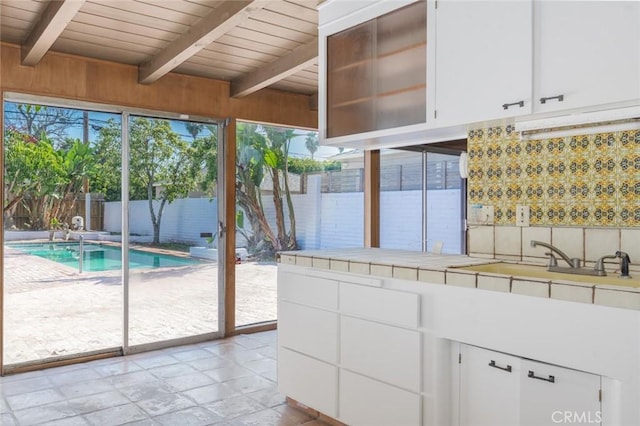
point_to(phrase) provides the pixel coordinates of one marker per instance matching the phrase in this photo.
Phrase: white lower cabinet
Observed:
(500, 389)
(368, 402)
(387, 353)
(556, 395)
(308, 381)
(489, 388)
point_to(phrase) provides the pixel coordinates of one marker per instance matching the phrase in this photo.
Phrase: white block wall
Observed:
(323, 221)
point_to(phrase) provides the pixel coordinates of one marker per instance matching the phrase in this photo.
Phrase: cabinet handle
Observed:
(519, 103)
(507, 368)
(560, 98)
(551, 379)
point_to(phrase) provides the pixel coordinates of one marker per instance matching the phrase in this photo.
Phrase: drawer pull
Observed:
(551, 379)
(507, 368)
(519, 103)
(560, 98)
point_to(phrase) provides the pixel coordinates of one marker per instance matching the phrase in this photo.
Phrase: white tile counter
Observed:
(443, 269)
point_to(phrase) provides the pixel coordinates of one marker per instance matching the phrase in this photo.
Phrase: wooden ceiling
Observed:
(252, 44)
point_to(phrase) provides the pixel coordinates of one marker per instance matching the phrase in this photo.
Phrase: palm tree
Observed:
(311, 142)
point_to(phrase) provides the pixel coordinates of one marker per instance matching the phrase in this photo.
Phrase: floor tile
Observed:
(234, 407)
(43, 413)
(68, 421)
(194, 416)
(269, 397)
(154, 361)
(229, 382)
(249, 384)
(229, 373)
(260, 418)
(191, 355)
(119, 415)
(131, 379)
(117, 368)
(165, 404)
(4, 406)
(74, 376)
(34, 399)
(189, 381)
(209, 363)
(172, 370)
(149, 390)
(75, 390)
(210, 393)
(7, 419)
(24, 386)
(99, 401)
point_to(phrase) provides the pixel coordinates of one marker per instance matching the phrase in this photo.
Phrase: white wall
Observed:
(323, 221)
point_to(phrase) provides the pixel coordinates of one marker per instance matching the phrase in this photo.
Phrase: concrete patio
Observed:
(51, 310)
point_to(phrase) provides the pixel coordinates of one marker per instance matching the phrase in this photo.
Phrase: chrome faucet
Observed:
(574, 262)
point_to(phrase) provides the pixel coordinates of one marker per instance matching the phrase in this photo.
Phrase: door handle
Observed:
(507, 368)
(551, 379)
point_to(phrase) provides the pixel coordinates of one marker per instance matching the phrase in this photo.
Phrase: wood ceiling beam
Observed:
(52, 22)
(221, 20)
(300, 58)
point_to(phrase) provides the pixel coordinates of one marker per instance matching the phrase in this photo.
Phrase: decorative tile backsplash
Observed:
(588, 180)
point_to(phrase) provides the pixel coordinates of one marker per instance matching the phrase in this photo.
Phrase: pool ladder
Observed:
(81, 253)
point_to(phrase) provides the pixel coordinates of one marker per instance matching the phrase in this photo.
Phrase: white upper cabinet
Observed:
(483, 60)
(588, 53)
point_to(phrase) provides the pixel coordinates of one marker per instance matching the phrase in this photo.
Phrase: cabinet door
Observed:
(309, 381)
(552, 395)
(483, 60)
(367, 402)
(586, 52)
(489, 388)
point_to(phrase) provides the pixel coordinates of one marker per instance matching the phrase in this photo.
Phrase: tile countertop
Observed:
(443, 269)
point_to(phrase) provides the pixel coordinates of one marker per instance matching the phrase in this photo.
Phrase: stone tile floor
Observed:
(230, 382)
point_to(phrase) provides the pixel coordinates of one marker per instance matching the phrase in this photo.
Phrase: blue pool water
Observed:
(98, 257)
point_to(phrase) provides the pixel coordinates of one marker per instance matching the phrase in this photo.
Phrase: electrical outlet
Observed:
(487, 215)
(480, 215)
(522, 215)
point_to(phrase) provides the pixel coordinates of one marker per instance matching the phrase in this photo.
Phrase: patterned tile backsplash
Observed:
(585, 181)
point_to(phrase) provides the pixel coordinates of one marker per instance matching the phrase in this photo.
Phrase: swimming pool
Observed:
(98, 257)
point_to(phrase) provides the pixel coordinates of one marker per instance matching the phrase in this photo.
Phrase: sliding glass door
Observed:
(62, 293)
(110, 233)
(172, 256)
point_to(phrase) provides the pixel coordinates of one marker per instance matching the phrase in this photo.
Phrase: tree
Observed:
(311, 142)
(34, 120)
(160, 159)
(34, 172)
(261, 151)
(106, 175)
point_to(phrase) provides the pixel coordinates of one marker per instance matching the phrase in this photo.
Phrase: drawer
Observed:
(367, 402)
(309, 381)
(308, 330)
(308, 290)
(383, 352)
(390, 306)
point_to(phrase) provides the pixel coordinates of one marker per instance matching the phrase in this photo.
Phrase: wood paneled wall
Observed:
(77, 78)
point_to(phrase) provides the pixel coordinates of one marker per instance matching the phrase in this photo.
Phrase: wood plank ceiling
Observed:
(251, 43)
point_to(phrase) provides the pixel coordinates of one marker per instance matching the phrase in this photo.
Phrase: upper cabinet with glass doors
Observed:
(375, 69)
(396, 73)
